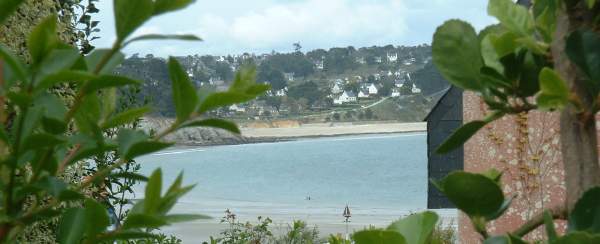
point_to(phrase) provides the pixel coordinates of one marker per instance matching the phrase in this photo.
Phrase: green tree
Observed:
(224, 71)
(308, 90)
(266, 73)
(37, 148)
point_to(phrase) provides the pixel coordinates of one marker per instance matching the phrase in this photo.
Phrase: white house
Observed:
(415, 89)
(361, 60)
(319, 64)
(392, 57)
(363, 93)
(346, 97)
(378, 60)
(289, 76)
(395, 92)
(337, 88)
(409, 61)
(399, 83)
(372, 88)
(281, 92)
(237, 108)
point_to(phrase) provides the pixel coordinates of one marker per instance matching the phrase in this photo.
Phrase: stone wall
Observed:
(526, 148)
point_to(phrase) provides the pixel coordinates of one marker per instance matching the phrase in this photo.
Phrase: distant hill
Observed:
(302, 82)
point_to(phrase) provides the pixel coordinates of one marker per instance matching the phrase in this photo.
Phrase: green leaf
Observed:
(163, 37)
(107, 81)
(72, 226)
(57, 60)
(215, 123)
(98, 213)
(62, 76)
(465, 132)
(135, 221)
(504, 43)
(129, 15)
(489, 54)
(88, 114)
(505, 205)
(185, 97)
(460, 136)
(14, 63)
(533, 45)
(43, 39)
(493, 174)
(127, 138)
(456, 54)
(163, 6)
(585, 216)
(416, 228)
(378, 237)
(178, 218)
(125, 117)
(176, 185)
(578, 238)
(244, 79)
(583, 49)
(153, 190)
(127, 235)
(52, 185)
(171, 198)
(109, 102)
(474, 194)
(505, 239)
(223, 99)
(512, 16)
(590, 3)
(549, 226)
(545, 13)
(490, 29)
(129, 176)
(145, 147)
(41, 140)
(554, 92)
(93, 59)
(54, 126)
(53, 106)
(7, 7)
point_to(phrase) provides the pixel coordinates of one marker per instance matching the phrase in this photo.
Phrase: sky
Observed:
(263, 26)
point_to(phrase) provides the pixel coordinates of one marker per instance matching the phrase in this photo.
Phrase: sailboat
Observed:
(347, 214)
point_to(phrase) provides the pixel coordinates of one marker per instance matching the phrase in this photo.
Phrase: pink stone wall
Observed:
(526, 148)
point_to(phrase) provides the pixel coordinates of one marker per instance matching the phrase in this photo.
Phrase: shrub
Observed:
(38, 146)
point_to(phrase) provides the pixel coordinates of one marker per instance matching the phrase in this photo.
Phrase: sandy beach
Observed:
(333, 129)
(325, 220)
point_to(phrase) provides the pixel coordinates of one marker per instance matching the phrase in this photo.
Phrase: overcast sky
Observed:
(260, 26)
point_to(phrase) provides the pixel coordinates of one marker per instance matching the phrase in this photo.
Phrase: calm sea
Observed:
(376, 175)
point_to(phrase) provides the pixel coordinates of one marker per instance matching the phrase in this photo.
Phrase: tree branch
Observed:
(558, 212)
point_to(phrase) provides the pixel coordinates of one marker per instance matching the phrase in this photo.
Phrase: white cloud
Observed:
(313, 23)
(259, 26)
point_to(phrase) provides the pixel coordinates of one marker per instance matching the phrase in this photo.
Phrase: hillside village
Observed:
(343, 84)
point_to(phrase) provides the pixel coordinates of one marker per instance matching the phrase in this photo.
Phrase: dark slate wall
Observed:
(443, 119)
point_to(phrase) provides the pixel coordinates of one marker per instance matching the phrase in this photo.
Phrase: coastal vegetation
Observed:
(44, 138)
(304, 85)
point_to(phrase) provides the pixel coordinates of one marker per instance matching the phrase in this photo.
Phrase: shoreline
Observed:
(311, 131)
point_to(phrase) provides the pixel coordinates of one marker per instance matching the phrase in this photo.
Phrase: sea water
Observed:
(380, 177)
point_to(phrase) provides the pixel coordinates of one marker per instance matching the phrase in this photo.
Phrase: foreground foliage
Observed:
(542, 57)
(42, 137)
